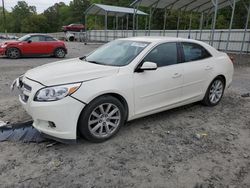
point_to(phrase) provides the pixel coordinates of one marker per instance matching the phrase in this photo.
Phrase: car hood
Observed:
(69, 71)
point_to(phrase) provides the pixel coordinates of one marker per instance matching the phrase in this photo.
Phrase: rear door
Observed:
(198, 68)
(159, 88)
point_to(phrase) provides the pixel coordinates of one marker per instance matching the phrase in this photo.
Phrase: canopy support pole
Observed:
(137, 24)
(146, 23)
(215, 3)
(134, 17)
(117, 25)
(165, 22)
(201, 24)
(246, 27)
(232, 4)
(122, 27)
(190, 25)
(86, 28)
(152, 9)
(178, 24)
(127, 24)
(106, 26)
(149, 21)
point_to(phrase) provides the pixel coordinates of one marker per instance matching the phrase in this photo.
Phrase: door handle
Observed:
(176, 75)
(208, 68)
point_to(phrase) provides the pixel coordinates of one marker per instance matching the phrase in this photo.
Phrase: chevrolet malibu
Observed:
(125, 79)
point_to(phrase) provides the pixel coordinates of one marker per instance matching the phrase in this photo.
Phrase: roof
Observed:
(155, 39)
(187, 5)
(99, 9)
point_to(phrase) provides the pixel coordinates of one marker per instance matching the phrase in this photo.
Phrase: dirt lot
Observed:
(157, 151)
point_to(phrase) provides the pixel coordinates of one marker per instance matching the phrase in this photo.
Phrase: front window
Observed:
(163, 55)
(117, 53)
(24, 38)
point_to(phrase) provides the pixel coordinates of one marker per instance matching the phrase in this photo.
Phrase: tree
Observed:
(77, 9)
(20, 12)
(35, 24)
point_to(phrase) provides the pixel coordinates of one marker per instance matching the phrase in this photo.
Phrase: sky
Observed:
(41, 5)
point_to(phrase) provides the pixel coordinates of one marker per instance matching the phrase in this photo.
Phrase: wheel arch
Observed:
(59, 47)
(113, 94)
(15, 48)
(223, 78)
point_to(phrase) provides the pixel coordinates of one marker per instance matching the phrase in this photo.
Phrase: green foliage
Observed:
(23, 18)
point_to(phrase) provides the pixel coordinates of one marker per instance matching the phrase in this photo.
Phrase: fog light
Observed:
(52, 125)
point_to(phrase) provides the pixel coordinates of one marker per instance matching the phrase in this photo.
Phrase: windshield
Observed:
(117, 53)
(24, 38)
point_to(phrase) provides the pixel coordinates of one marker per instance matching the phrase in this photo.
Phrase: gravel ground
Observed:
(156, 151)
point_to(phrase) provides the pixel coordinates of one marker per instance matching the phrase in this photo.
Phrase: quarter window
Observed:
(49, 39)
(163, 55)
(193, 52)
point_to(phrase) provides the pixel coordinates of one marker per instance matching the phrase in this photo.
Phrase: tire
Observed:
(71, 39)
(101, 119)
(13, 53)
(60, 53)
(214, 92)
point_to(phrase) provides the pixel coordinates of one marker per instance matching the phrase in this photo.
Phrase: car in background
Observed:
(123, 80)
(33, 45)
(74, 27)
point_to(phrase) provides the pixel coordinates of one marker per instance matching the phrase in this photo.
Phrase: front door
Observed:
(156, 89)
(33, 46)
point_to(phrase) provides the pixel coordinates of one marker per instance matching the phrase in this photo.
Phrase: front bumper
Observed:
(2, 51)
(56, 119)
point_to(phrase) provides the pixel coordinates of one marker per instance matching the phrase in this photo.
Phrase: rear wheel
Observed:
(60, 53)
(102, 119)
(214, 92)
(13, 53)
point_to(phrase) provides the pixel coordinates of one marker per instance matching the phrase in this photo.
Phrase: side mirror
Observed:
(147, 66)
(29, 41)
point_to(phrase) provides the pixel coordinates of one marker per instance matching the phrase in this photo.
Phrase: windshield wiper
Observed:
(95, 62)
(83, 58)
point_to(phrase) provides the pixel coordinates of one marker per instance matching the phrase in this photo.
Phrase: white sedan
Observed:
(125, 79)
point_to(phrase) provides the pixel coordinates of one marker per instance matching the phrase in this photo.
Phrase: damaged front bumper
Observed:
(57, 119)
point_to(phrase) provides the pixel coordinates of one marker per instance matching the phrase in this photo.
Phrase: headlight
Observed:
(56, 92)
(3, 46)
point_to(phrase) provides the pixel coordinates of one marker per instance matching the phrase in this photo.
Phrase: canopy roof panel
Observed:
(186, 5)
(99, 9)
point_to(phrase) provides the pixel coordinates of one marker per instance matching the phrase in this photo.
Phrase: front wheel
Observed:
(214, 92)
(102, 119)
(13, 53)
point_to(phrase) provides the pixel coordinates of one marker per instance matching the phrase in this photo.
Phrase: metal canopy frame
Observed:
(115, 11)
(204, 7)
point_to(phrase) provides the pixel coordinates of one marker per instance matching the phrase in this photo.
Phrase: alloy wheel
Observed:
(104, 120)
(216, 91)
(13, 53)
(60, 53)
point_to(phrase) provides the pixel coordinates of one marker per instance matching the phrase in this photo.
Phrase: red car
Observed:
(74, 27)
(33, 45)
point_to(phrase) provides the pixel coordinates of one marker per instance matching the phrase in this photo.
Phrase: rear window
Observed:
(49, 39)
(194, 52)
